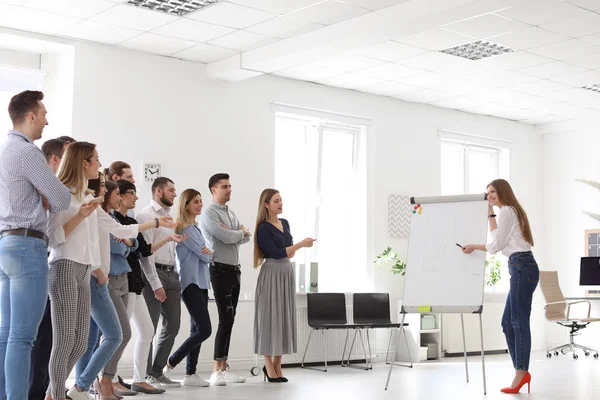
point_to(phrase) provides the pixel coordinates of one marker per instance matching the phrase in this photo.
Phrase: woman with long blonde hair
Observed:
(275, 303)
(193, 258)
(511, 235)
(75, 253)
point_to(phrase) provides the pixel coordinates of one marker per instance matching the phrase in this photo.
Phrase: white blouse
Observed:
(507, 238)
(83, 244)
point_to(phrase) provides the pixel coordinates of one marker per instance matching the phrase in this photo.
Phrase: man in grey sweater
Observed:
(224, 234)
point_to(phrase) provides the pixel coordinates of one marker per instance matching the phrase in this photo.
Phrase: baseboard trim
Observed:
(475, 353)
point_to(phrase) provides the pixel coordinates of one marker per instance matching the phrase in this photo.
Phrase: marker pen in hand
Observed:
(459, 245)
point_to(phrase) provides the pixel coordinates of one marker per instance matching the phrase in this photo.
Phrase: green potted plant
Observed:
(398, 266)
(492, 270)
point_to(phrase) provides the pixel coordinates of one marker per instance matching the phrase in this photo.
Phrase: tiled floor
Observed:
(557, 378)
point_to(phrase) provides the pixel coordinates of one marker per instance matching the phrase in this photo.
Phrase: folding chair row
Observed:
(327, 311)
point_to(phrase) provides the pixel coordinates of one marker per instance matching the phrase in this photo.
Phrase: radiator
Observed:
(334, 339)
(493, 337)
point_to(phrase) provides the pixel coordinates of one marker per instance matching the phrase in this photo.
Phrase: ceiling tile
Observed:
(501, 95)
(530, 101)
(425, 96)
(158, 44)
(329, 12)
(436, 61)
(593, 39)
(389, 88)
(390, 51)
(98, 32)
(581, 25)
(592, 5)
(350, 80)
(582, 79)
(459, 86)
(542, 11)
(515, 60)
(426, 80)
(435, 39)
(283, 27)
(309, 72)
(34, 20)
(276, 6)
(552, 69)
(389, 71)
(375, 4)
(204, 53)
(134, 17)
(506, 78)
(540, 87)
(456, 103)
(243, 40)
(588, 61)
(527, 38)
(231, 15)
(348, 62)
(71, 8)
(192, 30)
(485, 26)
(566, 49)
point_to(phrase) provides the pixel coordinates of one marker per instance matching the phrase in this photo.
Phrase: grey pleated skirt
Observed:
(275, 331)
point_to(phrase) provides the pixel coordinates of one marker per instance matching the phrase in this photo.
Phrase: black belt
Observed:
(227, 267)
(25, 232)
(165, 267)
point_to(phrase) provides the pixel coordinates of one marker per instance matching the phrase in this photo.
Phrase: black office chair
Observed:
(326, 311)
(372, 311)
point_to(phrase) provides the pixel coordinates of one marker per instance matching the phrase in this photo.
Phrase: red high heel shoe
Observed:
(526, 380)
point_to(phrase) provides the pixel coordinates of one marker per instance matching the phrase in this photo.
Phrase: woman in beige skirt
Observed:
(275, 303)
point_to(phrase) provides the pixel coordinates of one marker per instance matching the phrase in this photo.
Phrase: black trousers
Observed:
(225, 281)
(39, 379)
(196, 301)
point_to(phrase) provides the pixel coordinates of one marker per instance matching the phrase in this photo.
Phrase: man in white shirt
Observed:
(162, 293)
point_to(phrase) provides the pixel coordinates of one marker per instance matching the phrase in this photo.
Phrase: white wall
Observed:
(570, 152)
(143, 108)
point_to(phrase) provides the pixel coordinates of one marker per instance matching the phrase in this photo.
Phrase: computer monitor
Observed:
(589, 271)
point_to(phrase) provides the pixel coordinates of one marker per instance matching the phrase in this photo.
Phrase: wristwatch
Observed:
(492, 216)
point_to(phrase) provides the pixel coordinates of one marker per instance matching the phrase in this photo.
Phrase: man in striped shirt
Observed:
(28, 189)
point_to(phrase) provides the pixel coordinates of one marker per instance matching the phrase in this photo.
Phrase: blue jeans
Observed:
(104, 318)
(23, 295)
(524, 277)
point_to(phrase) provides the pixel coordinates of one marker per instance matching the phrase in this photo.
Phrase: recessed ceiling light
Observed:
(176, 7)
(477, 50)
(593, 88)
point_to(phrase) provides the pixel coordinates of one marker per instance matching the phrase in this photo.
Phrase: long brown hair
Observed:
(71, 171)
(507, 197)
(110, 188)
(184, 218)
(261, 216)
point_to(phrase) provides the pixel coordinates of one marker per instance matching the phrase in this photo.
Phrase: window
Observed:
(467, 169)
(12, 81)
(320, 172)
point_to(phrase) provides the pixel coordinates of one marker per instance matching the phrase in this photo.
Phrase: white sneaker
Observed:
(194, 380)
(150, 380)
(217, 379)
(167, 371)
(230, 377)
(75, 394)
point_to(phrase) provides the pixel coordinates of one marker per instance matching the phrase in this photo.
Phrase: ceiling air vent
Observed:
(593, 88)
(477, 50)
(175, 7)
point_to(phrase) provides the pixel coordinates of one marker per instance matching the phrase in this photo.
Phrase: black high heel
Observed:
(266, 376)
(283, 379)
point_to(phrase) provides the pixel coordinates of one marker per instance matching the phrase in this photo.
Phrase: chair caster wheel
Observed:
(556, 353)
(575, 356)
(254, 371)
(587, 353)
(549, 355)
(596, 356)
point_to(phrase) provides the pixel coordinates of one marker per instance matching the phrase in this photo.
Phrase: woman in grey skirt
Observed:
(275, 303)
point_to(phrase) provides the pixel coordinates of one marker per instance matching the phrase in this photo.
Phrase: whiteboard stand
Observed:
(439, 277)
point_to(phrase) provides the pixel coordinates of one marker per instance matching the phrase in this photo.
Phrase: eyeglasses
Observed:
(130, 192)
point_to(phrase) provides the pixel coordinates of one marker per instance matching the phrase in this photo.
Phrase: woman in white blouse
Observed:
(512, 236)
(74, 253)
